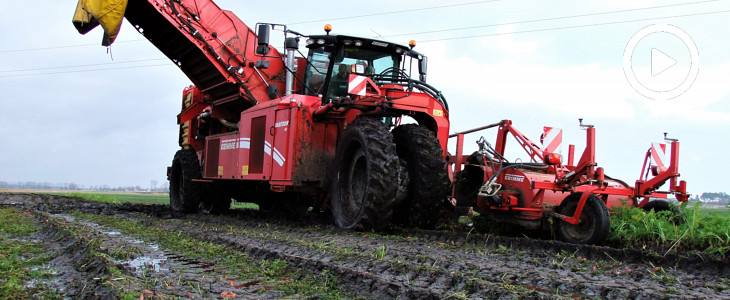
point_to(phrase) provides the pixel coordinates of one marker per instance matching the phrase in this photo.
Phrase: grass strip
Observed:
(694, 229)
(21, 259)
(272, 273)
(137, 198)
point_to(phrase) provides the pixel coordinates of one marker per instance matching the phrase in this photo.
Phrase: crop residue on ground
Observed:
(135, 250)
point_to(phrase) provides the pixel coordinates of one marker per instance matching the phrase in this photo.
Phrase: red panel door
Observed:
(281, 164)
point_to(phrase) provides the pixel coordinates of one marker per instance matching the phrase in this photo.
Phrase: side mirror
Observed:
(263, 44)
(422, 68)
(273, 91)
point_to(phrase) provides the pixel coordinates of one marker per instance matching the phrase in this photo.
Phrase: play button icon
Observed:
(660, 62)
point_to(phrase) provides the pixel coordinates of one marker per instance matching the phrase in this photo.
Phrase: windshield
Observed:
(360, 61)
(343, 61)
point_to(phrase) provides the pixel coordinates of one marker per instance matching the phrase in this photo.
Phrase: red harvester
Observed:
(324, 130)
(290, 132)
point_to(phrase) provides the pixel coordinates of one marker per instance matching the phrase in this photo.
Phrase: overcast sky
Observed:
(74, 111)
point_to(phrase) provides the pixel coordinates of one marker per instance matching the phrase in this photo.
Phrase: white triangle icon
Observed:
(660, 62)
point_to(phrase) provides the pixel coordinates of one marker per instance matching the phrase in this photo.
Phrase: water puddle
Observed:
(142, 263)
(148, 258)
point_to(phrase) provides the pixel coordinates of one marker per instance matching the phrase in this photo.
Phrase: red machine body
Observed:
(214, 48)
(291, 132)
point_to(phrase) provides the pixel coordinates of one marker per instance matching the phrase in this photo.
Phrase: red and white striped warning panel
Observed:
(357, 85)
(659, 155)
(551, 139)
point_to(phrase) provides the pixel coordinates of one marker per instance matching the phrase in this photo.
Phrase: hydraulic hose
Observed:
(230, 125)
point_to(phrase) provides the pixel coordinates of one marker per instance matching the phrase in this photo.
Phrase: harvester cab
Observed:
(345, 69)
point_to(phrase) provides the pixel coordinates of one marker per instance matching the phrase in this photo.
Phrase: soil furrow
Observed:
(562, 273)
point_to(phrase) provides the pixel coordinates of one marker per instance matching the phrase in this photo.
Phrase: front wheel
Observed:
(594, 221)
(185, 195)
(364, 184)
(428, 181)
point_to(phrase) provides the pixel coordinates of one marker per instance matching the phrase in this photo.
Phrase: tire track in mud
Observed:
(151, 271)
(437, 264)
(75, 263)
(451, 269)
(148, 272)
(358, 265)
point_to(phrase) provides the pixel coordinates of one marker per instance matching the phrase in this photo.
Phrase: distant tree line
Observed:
(32, 185)
(716, 198)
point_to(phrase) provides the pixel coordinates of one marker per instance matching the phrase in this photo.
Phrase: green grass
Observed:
(702, 229)
(138, 198)
(21, 260)
(720, 213)
(116, 198)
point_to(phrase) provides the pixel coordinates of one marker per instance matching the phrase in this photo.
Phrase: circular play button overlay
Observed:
(661, 62)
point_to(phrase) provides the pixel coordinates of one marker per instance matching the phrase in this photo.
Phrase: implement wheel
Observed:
(676, 215)
(185, 194)
(365, 180)
(428, 183)
(594, 221)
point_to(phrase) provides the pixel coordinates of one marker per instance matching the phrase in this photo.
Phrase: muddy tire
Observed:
(214, 201)
(364, 183)
(185, 195)
(594, 221)
(428, 183)
(677, 217)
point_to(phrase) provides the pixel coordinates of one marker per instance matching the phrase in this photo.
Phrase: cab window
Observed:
(316, 72)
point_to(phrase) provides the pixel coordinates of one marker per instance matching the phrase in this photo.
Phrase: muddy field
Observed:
(144, 251)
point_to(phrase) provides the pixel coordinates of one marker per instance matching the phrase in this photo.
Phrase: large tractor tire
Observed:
(185, 195)
(594, 221)
(364, 183)
(428, 183)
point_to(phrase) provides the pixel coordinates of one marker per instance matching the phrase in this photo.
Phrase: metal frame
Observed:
(583, 177)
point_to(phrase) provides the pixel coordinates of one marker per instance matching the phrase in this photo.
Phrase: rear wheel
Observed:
(215, 201)
(365, 180)
(288, 203)
(294, 204)
(594, 221)
(185, 194)
(428, 181)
